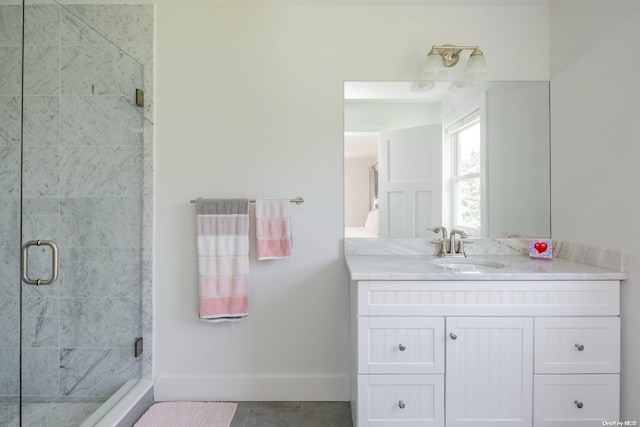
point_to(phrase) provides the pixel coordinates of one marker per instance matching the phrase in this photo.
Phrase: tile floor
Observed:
(248, 414)
(46, 414)
(292, 414)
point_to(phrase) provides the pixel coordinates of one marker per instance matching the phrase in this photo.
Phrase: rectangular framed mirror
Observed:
(468, 155)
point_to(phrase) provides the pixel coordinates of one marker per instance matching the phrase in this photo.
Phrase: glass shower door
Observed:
(81, 217)
(10, 160)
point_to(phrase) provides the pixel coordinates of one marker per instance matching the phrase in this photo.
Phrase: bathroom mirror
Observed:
(466, 155)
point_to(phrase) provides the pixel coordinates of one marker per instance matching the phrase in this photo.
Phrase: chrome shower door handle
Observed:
(54, 262)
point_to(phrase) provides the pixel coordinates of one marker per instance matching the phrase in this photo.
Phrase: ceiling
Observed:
(479, 3)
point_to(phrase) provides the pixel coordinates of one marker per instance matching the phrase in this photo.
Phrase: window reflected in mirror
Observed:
(463, 140)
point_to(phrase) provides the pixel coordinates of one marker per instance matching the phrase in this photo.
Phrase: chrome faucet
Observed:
(449, 247)
(459, 249)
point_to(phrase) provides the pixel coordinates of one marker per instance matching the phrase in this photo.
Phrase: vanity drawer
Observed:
(401, 400)
(575, 400)
(571, 345)
(401, 345)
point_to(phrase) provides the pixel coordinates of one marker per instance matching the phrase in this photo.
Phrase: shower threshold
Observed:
(124, 407)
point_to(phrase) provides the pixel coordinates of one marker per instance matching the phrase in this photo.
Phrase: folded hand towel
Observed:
(223, 259)
(273, 228)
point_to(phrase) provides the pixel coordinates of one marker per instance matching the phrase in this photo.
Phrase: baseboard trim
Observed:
(252, 388)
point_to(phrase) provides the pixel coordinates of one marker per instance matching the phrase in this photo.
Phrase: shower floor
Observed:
(50, 414)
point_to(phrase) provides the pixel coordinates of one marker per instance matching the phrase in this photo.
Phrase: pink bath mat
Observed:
(188, 414)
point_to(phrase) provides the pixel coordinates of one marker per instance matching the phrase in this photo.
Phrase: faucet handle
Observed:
(461, 243)
(438, 229)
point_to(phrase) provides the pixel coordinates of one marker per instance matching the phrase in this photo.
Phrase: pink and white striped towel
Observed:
(223, 259)
(273, 228)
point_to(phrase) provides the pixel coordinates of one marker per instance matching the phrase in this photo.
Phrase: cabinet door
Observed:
(489, 371)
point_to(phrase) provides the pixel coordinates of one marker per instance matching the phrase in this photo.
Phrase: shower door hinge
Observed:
(139, 97)
(137, 350)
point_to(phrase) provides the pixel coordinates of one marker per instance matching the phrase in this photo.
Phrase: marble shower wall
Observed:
(87, 185)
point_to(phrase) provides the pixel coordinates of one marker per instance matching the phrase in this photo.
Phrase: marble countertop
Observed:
(516, 267)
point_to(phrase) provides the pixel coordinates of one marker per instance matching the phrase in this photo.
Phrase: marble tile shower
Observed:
(75, 167)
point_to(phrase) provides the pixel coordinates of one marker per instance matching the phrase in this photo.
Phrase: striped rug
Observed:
(188, 414)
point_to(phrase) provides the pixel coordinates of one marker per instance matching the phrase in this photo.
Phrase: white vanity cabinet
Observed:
(485, 353)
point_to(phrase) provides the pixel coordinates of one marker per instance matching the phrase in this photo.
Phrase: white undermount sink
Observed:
(466, 265)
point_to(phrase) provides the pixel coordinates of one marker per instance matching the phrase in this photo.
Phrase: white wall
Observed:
(249, 104)
(595, 150)
(518, 158)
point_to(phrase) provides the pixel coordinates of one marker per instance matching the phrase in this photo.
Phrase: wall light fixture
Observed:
(446, 56)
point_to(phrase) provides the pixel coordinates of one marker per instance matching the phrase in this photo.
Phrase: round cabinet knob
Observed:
(402, 347)
(578, 404)
(580, 347)
(401, 404)
(453, 336)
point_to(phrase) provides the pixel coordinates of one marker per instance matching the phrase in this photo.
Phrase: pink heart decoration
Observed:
(540, 247)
